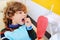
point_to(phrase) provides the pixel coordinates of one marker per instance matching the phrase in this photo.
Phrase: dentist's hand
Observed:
(28, 22)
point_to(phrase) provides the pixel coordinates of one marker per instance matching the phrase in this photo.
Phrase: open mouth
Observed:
(23, 20)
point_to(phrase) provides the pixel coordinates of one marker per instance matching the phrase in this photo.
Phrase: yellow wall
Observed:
(47, 4)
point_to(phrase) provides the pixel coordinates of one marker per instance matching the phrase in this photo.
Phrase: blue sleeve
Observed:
(29, 28)
(8, 35)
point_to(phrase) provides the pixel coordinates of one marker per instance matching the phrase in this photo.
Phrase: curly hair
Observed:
(10, 10)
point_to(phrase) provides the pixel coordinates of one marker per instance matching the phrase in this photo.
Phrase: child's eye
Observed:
(24, 13)
(20, 13)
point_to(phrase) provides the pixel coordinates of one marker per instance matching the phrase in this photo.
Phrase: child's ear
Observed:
(11, 18)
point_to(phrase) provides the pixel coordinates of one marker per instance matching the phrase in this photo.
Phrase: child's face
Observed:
(18, 17)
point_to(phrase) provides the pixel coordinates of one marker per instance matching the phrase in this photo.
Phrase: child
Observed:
(18, 26)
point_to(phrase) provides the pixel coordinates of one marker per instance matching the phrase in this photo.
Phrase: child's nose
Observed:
(23, 15)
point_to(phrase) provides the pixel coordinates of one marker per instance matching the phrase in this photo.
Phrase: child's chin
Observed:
(21, 23)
